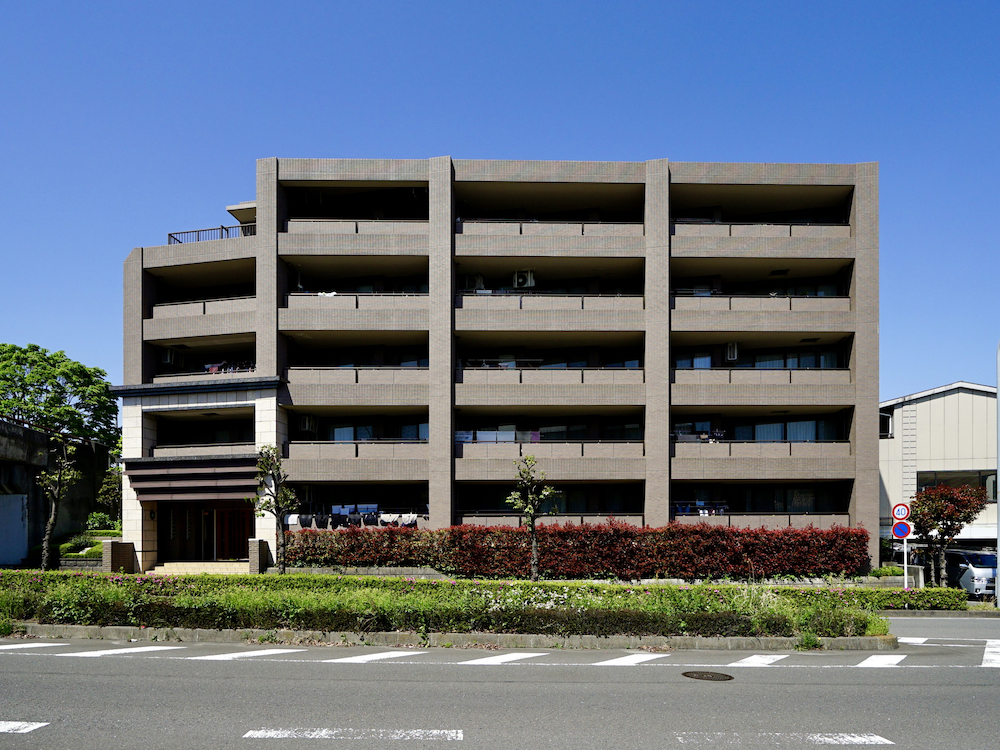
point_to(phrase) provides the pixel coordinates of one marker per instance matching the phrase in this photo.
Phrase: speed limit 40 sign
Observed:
(900, 512)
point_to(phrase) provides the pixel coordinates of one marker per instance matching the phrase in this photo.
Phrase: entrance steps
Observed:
(241, 567)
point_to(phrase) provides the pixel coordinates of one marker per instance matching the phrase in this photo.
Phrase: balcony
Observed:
(204, 307)
(751, 449)
(721, 386)
(215, 373)
(390, 386)
(202, 451)
(561, 461)
(541, 387)
(215, 233)
(515, 311)
(735, 460)
(212, 317)
(747, 229)
(549, 228)
(350, 226)
(401, 311)
(759, 303)
(368, 461)
(755, 376)
(685, 514)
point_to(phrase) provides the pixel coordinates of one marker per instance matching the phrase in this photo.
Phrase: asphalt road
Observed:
(938, 691)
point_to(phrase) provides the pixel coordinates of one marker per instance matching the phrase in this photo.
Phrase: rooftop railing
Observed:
(215, 233)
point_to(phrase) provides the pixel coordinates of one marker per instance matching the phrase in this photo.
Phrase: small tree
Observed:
(110, 494)
(273, 496)
(531, 494)
(939, 513)
(59, 477)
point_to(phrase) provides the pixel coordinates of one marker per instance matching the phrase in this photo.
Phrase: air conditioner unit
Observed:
(524, 279)
(168, 357)
(307, 423)
(474, 282)
(732, 352)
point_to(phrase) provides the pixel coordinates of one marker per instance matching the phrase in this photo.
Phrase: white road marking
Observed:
(758, 660)
(355, 734)
(883, 660)
(245, 654)
(991, 656)
(365, 658)
(777, 739)
(914, 641)
(122, 651)
(21, 727)
(630, 660)
(12, 646)
(501, 658)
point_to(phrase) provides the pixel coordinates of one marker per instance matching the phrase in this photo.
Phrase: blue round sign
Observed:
(901, 530)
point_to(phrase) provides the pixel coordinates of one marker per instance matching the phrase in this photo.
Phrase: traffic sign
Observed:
(900, 512)
(901, 530)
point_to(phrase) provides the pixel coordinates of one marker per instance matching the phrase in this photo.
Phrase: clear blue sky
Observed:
(122, 122)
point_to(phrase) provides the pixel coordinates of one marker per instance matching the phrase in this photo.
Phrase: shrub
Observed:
(611, 550)
(99, 520)
(886, 570)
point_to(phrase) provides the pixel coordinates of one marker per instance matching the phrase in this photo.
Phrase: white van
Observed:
(973, 570)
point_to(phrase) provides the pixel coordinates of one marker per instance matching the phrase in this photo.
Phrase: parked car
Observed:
(973, 570)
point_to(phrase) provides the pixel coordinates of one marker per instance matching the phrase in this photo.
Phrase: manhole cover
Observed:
(710, 676)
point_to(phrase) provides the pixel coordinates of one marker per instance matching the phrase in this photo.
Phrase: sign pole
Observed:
(906, 564)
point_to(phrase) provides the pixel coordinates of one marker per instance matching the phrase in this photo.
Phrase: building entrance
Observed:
(202, 532)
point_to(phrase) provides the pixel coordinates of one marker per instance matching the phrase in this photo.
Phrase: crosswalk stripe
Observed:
(245, 654)
(630, 660)
(12, 646)
(883, 660)
(991, 656)
(912, 641)
(21, 727)
(501, 658)
(758, 660)
(122, 651)
(365, 658)
(779, 739)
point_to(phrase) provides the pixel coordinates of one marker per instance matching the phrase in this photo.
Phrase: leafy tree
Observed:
(59, 477)
(110, 494)
(528, 499)
(273, 496)
(64, 398)
(57, 394)
(939, 513)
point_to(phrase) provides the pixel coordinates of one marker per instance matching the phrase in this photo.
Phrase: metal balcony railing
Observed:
(215, 233)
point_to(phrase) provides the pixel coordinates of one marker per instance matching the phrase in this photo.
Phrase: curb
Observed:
(449, 640)
(963, 613)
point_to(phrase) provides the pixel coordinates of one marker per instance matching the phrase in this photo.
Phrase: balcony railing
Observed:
(760, 376)
(215, 233)
(204, 307)
(495, 375)
(550, 228)
(549, 449)
(685, 300)
(691, 446)
(522, 299)
(696, 228)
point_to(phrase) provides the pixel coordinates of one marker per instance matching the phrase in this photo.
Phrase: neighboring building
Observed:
(946, 435)
(24, 508)
(672, 340)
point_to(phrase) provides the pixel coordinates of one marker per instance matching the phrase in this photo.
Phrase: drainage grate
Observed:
(710, 676)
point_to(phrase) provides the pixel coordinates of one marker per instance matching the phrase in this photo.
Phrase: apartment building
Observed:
(673, 341)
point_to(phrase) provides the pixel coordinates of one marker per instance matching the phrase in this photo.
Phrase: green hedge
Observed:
(343, 603)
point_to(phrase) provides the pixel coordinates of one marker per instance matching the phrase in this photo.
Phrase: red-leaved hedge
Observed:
(609, 550)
